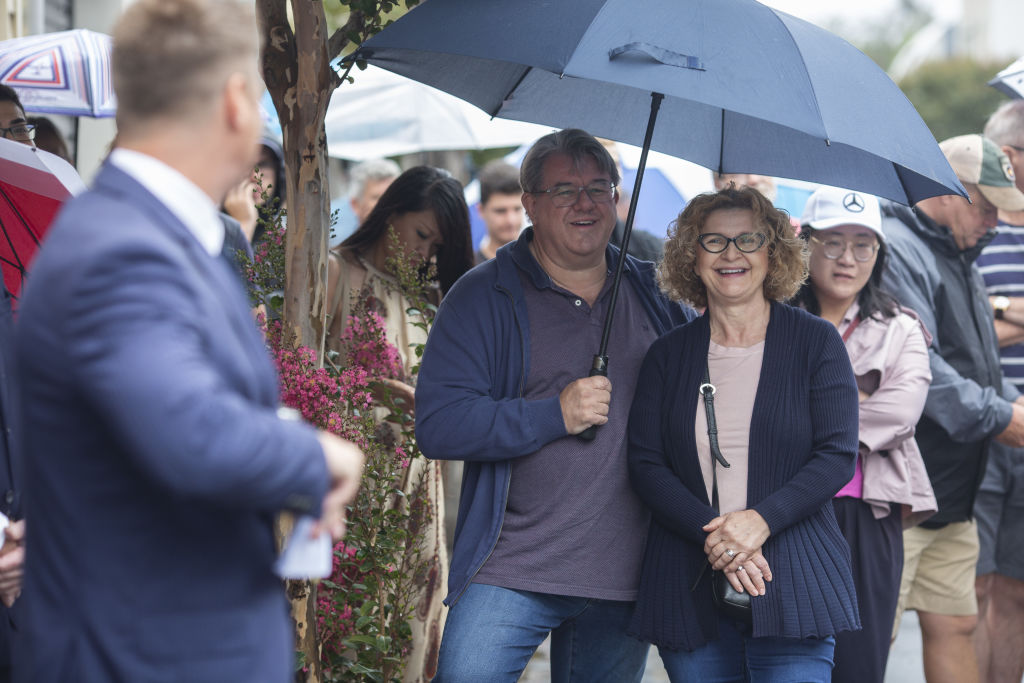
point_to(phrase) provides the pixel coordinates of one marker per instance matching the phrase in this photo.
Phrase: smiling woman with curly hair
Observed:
(747, 504)
(787, 253)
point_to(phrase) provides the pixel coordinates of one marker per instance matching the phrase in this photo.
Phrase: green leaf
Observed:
(365, 640)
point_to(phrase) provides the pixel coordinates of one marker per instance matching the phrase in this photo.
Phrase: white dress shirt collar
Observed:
(181, 196)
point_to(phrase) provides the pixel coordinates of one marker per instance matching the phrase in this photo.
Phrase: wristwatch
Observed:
(999, 306)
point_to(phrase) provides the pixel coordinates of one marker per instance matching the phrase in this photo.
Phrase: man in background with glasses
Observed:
(932, 271)
(14, 124)
(550, 535)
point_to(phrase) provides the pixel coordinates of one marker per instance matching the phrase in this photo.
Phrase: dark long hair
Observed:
(269, 211)
(418, 189)
(873, 300)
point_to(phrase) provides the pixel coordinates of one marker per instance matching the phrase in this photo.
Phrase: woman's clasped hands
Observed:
(734, 546)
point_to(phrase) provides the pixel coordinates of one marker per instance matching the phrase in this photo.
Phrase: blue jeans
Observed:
(738, 657)
(492, 632)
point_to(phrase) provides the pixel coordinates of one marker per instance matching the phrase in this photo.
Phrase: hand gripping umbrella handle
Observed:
(599, 368)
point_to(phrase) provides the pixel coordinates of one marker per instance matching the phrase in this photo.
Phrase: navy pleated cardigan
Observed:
(803, 445)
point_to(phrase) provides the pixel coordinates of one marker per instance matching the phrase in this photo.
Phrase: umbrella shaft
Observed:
(656, 99)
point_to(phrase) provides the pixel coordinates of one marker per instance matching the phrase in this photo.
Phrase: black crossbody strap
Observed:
(707, 390)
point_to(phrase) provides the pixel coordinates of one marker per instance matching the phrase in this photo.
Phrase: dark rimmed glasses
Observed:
(834, 247)
(748, 242)
(20, 131)
(563, 195)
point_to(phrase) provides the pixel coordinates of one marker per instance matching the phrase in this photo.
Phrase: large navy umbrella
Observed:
(734, 85)
(748, 89)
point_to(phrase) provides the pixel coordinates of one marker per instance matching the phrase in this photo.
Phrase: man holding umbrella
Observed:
(550, 535)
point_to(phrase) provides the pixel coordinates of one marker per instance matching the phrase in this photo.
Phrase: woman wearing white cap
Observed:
(889, 354)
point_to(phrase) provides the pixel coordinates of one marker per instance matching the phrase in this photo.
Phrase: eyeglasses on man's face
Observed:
(19, 131)
(563, 195)
(834, 247)
(748, 242)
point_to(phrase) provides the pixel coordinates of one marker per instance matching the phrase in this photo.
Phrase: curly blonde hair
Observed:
(787, 253)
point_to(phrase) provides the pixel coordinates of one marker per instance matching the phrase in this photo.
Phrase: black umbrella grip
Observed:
(599, 368)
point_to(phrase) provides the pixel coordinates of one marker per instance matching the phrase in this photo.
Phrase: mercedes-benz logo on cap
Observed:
(853, 203)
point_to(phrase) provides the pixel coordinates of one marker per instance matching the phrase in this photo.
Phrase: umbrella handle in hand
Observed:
(599, 368)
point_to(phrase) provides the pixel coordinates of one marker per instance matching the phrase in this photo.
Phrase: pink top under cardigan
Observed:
(734, 371)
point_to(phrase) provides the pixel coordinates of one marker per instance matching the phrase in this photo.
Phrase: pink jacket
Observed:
(890, 360)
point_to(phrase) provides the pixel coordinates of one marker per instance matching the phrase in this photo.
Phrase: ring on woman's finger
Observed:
(730, 552)
(740, 568)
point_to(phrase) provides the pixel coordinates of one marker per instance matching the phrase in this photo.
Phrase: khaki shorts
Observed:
(938, 571)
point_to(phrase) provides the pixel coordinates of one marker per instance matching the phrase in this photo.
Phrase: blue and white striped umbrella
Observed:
(60, 73)
(1011, 80)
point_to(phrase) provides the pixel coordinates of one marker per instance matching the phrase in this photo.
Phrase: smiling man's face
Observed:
(574, 235)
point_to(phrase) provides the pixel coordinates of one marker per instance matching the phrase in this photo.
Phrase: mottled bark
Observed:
(296, 69)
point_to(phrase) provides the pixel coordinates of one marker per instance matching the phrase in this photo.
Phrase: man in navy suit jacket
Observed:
(12, 556)
(155, 457)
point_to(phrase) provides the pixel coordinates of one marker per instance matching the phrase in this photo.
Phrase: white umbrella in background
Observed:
(1011, 80)
(382, 114)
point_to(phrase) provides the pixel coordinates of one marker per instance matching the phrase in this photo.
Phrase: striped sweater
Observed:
(803, 445)
(1001, 264)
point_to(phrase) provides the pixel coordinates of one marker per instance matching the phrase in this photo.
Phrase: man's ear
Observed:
(528, 199)
(238, 106)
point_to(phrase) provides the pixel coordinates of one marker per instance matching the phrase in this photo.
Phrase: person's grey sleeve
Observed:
(1010, 391)
(965, 409)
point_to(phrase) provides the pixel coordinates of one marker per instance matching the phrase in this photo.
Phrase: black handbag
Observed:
(728, 600)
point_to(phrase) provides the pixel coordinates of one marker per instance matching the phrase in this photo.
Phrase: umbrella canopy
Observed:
(381, 114)
(1011, 80)
(60, 73)
(33, 185)
(748, 89)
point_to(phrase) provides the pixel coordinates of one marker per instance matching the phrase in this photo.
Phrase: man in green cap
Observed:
(999, 507)
(931, 270)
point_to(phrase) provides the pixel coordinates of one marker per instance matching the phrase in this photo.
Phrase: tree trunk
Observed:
(296, 68)
(297, 73)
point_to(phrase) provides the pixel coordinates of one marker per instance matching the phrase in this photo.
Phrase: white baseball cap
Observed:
(830, 207)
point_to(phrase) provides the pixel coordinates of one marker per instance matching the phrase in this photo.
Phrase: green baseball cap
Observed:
(979, 161)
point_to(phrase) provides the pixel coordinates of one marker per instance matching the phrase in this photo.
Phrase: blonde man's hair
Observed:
(171, 58)
(787, 253)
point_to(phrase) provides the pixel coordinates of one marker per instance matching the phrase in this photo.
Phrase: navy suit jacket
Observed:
(155, 459)
(10, 464)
